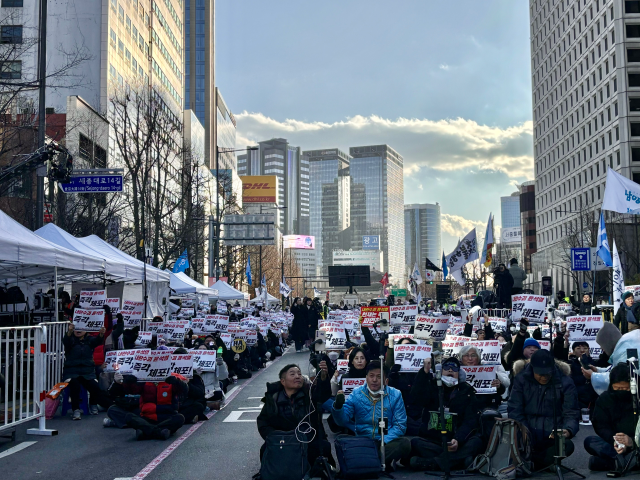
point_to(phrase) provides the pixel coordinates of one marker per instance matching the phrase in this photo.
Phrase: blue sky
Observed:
(446, 84)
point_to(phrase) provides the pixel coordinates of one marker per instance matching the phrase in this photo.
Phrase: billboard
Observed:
(304, 242)
(512, 235)
(259, 189)
(371, 242)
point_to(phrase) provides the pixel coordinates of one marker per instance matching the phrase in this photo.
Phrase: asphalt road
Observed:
(224, 447)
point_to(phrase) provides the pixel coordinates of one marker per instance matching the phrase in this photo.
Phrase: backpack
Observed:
(508, 451)
(358, 457)
(284, 458)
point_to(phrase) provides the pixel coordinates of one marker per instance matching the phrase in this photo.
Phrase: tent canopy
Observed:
(226, 291)
(260, 298)
(183, 284)
(26, 256)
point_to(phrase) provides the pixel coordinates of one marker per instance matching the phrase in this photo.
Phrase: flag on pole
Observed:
(604, 252)
(429, 265)
(316, 293)
(465, 252)
(182, 263)
(263, 291)
(618, 280)
(284, 288)
(445, 269)
(419, 299)
(621, 194)
(488, 244)
(415, 275)
(428, 276)
(385, 279)
(247, 271)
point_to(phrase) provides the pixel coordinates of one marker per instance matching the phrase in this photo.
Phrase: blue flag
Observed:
(604, 252)
(182, 263)
(445, 268)
(247, 272)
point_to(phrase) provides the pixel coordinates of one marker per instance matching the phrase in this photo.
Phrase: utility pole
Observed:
(42, 125)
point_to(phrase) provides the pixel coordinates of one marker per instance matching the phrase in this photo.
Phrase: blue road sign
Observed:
(93, 184)
(585, 285)
(581, 259)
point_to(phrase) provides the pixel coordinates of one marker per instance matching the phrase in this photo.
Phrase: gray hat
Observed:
(608, 337)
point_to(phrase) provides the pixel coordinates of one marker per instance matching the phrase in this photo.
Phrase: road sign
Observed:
(371, 242)
(585, 285)
(93, 184)
(581, 259)
(399, 292)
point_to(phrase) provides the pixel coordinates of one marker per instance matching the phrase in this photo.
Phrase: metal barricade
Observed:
(498, 312)
(54, 356)
(22, 385)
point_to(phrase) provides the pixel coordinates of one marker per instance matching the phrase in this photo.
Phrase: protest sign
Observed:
(222, 306)
(411, 357)
(187, 312)
(144, 339)
(403, 314)
(227, 339)
(531, 307)
(131, 318)
(122, 360)
(343, 366)
(236, 310)
(489, 351)
(480, 378)
(371, 315)
(204, 360)
(132, 305)
(452, 345)
(335, 338)
(431, 327)
(151, 366)
(456, 329)
(187, 302)
(595, 350)
(114, 303)
(545, 344)
(336, 316)
(88, 320)
(172, 331)
(583, 328)
(498, 324)
(92, 298)
(182, 364)
(349, 384)
(215, 323)
(197, 325)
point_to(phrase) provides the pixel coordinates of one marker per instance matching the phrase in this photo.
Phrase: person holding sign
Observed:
(472, 357)
(80, 369)
(532, 404)
(628, 313)
(459, 400)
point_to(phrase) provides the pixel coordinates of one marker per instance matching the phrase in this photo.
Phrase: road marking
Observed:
(235, 415)
(167, 451)
(254, 398)
(229, 392)
(258, 408)
(123, 478)
(16, 449)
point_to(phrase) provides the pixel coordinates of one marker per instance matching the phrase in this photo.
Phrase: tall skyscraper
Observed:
(329, 207)
(528, 222)
(277, 157)
(199, 67)
(510, 210)
(422, 234)
(585, 63)
(377, 203)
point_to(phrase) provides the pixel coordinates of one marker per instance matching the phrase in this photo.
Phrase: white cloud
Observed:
(458, 226)
(444, 66)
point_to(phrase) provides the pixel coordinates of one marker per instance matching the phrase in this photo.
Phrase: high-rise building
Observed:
(528, 222)
(377, 203)
(200, 94)
(510, 210)
(329, 208)
(422, 234)
(585, 64)
(277, 157)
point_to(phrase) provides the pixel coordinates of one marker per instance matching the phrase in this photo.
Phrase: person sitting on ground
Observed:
(586, 394)
(614, 423)
(471, 356)
(518, 350)
(532, 404)
(289, 401)
(628, 313)
(79, 369)
(362, 409)
(459, 399)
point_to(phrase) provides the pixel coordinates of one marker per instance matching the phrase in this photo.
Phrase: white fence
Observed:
(498, 312)
(23, 383)
(54, 356)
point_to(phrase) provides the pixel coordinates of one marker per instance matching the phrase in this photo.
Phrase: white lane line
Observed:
(259, 407)
(254, 398)
(16, 449)
(229, 392)
(123, 478)
(235, 415)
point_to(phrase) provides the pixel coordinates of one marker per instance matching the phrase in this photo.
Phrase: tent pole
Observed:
(55, 293)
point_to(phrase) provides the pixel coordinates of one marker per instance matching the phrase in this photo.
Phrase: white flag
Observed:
(465, 252)
(458, 275)
(618, 279)
(416, 274)
(621, 194)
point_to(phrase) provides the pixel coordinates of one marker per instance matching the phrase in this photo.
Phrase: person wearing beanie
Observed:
(530, 346)
(628, 313)
(612, 418)
(532, 404)
(517, 350)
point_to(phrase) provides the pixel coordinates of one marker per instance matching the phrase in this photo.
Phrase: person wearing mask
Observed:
(627, 313)
(299, 329)
(404, 382)
(532, 403)
(503, 281)
(362, 408)
(79, 368)
(614, 423)
(519, 276)
(562, 297)
(459, 398)
(470, 356)
(288, 402)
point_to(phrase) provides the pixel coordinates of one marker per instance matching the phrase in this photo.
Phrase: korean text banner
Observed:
(88, 320)
(411, 357)
(259, 189)
(531, 307)
(371, 315)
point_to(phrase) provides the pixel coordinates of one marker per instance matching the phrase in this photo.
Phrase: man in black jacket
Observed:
(613, 421)
(503, 281)
(532, 404)
(288, 402)
(459, 399)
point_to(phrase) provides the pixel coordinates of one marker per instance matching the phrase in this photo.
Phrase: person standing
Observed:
(519, 276)
(298, 326)
(504, 283)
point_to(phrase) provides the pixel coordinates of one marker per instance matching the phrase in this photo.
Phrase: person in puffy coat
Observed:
(532, 404)
(362, 409)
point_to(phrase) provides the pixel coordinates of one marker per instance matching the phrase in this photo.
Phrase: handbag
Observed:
(284, 458)
(358, 457)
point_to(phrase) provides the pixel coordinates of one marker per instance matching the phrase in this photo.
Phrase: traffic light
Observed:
(430, 283)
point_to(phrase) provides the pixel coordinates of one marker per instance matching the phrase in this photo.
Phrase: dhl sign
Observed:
(259, 189)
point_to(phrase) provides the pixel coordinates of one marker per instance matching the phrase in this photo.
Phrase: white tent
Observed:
(182, 284)
(24, 256)
(260, 298)
(226, 291)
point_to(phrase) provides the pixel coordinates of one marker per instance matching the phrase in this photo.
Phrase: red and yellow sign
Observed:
(370, 315)
(259, 189)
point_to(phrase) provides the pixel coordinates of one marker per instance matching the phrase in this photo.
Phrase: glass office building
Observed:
(422, 234)
(510, 210)
(226, 135)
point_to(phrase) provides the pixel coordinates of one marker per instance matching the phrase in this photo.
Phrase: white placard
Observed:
(545, 344)
(227, 339)
(154, 366)
(182, 364)
(452, 345)
(112, 302)
(170, 331)
(131, 318)
(204, 359)
(222, 306)
(349, 384)
(122, 360)
(187, 312)
(431, 327)
(215, 323)
(531, 307)
(144, 339)
(456, 329)
(187, 302)
(335, 338)
(584, 328)
(88, 320)
(343, 366)
(595, 350)
(480, 378)
(411, 357)
(92, 298)
(489, 351)
(403, 314)
(131, 305)
(498, 324)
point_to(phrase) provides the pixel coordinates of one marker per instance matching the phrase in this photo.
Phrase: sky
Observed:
(446, 84)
